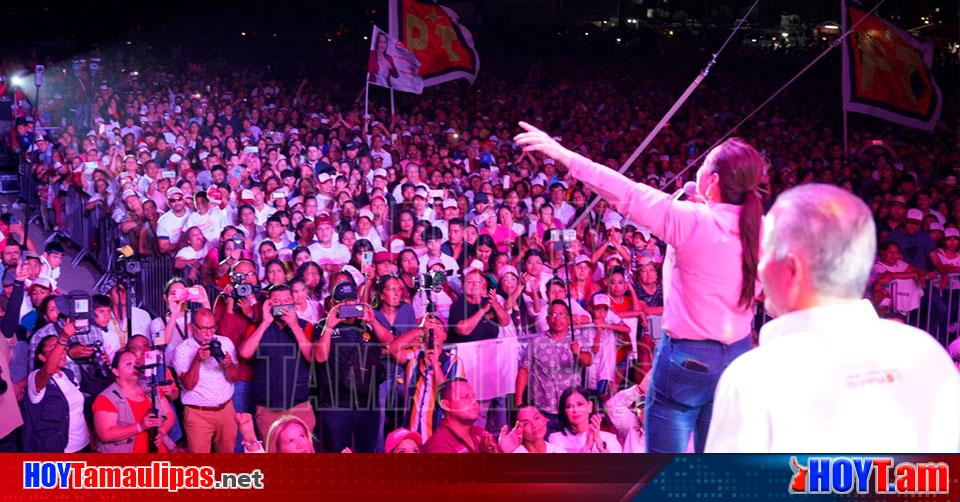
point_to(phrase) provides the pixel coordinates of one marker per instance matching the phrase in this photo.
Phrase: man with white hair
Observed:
(829, 374)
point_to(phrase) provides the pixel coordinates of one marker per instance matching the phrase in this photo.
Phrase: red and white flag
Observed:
(435, 36)
(886, 73)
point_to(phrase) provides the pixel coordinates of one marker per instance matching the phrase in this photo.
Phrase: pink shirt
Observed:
(701, 272)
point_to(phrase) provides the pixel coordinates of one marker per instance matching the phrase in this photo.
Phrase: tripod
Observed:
(157, 372)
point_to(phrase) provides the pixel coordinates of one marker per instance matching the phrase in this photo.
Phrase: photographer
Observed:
(351, 344)
(87, 351)
(205, 363)
(280, 385)
(236, 315)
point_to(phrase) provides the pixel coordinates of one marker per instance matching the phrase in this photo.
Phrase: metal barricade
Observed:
(938, 309)
(154, 274)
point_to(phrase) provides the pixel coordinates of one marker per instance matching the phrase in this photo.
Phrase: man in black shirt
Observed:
(352, 374)
(282, 352)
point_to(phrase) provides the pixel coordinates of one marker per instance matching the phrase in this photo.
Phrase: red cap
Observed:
(381, 257)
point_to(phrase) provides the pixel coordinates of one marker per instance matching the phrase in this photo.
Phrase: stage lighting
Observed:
(18, 81)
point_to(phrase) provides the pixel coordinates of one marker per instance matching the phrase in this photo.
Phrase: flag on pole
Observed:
(886, 73)
(393, 65)
(436, 37)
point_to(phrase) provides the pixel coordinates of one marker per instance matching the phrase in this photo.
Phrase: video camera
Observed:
(241, 289)
(127, 262)
(75, 306)
(562, 238)
(431, 281)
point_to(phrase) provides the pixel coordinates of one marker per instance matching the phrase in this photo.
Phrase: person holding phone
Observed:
(711, 271)
(280, 385)
(350, 344)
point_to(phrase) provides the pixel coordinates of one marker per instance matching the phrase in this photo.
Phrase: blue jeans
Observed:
(680, 398)
(349, 428)
(241, 404)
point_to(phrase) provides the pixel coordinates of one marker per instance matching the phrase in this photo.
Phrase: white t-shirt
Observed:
(213, 388)
(954, 282)
(906, 293)
(336, 253)
(210, 224)
(188, 253)
(264, 214)
(78, 435)
(171, 226)
(448, 263)
(373, 237)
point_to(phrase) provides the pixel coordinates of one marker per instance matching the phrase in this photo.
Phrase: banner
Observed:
(435, 36)
(490, 365)
(393, 65)
(886, 73)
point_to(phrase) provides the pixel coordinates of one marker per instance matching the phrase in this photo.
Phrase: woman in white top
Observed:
(172, 328)
(305, 307)
(947, 261)
(710, 269)
(900, 280)
(580, 425)
(50, 361)
(189, 259)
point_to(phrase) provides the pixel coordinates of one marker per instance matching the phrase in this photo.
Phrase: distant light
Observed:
(18, 81)
(937, 9)
(586, 33)
(243, 33)
(129, 42)
(753, 40)
(196, 96)
(329, 40)
(823, 38)
(831, 27)
(275, 35)
(134, 73)
(785, 34)
(366, 37)
(618, 40)
(926, 21)
(670, 33)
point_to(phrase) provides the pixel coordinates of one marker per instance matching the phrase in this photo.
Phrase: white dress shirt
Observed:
(838, 378)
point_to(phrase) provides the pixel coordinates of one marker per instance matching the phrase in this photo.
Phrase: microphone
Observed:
(688, 192)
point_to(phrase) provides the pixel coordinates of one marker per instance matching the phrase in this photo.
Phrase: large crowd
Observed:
(369, 268)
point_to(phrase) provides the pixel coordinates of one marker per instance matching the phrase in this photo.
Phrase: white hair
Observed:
(833, 230)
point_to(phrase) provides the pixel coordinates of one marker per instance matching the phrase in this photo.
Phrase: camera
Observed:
(432, 280)
(240, 288)
(126, 263)
(96, 359)
(350, 311)
(216, 350)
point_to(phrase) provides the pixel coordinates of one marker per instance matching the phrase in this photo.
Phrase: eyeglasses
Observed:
(175, 199)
